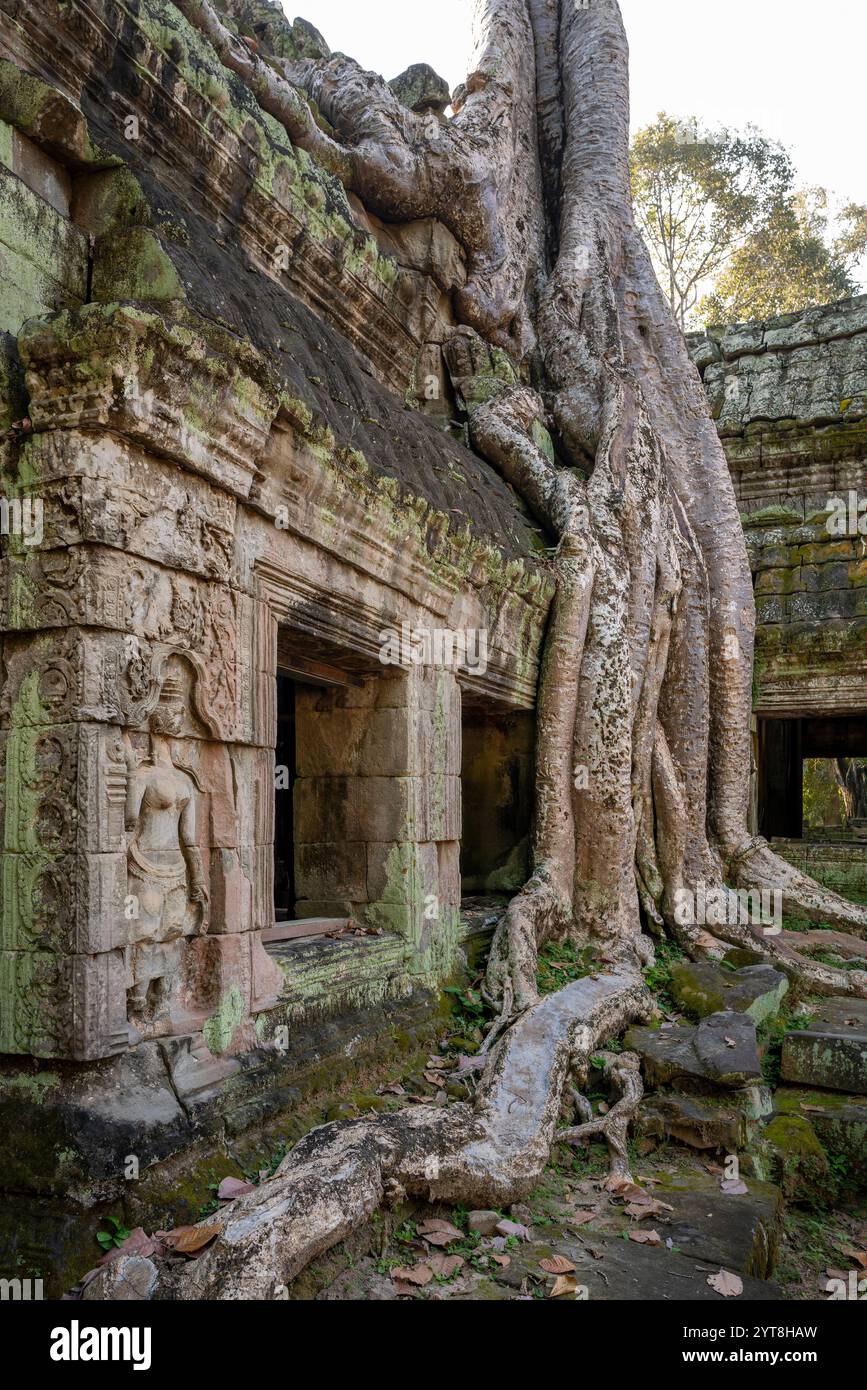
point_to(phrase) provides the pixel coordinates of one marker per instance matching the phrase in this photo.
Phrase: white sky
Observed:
(795, 68)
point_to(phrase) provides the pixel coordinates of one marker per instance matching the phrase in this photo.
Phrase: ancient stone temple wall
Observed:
(790, 400)
(230, 468)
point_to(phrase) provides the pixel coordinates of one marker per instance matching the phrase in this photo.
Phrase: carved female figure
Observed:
(164, 864)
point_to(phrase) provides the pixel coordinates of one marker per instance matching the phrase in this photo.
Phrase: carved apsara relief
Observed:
(165, 876)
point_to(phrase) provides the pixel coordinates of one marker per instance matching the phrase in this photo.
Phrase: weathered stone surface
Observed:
(705, 988)
(832, 1051)
(421, 89)
(839, 1122)
(796, 1160)
(741, 1231)
(621, 1270)
(719, 1051)
(696, 1121)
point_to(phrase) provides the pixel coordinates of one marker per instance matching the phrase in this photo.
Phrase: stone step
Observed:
(838, 1120)
(720, 1051)
(831, 1051)
(702, 988)
(724, 1122)
(613, 1269)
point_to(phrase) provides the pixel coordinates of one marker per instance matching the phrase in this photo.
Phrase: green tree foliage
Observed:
(731, 236)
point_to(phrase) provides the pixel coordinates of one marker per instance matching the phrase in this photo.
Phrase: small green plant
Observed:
(109, 1240)
(657, 977)
(471, 1011)
(560, 962)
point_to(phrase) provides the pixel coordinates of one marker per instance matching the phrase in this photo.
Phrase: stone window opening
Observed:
(496, 787)
(311, 894)
(812, 796)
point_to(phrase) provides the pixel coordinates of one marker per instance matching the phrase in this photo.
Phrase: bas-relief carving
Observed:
(164, 863)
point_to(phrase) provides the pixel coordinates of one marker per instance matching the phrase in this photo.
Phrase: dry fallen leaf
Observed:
(729, 1285)
(445, 1265)
(859, 1256)
(557, 1264)
(640, 1211)
(502, 1260)
(437, 1232)
(233, 1187)
(416, 1275)
(645, 1237)
(565, 1283)
(189, 1239)
(730, 1042)
(733, 1187)
(580, 1218)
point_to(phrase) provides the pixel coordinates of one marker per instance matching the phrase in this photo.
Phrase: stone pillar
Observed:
(129, 720)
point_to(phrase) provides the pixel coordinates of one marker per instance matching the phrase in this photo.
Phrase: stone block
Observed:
(720, 1051)
(702, 988)
(826, 1057)
(698, 1122)
(331, 871)
(839, 1122)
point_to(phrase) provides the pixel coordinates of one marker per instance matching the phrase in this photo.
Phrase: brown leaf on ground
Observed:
(564, 1283)
(437, 1232)
(138, 1242)
(557, 1264)
(445, 1265)
(580, 1218)
(727, 1284)
(645, 1237)
(415, 1275)
(189, 1239)
(640, 1211)
(233, 1187)
(859, 1256)
(502, 1260)
(733, 1187)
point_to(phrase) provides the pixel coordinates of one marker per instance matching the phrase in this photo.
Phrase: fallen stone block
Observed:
(702, 988)
(839, 1121)
(831, 1051)
(720, 1051)
(697, 1121)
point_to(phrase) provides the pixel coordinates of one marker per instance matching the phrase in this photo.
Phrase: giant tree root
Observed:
(490, 1152)
(623, 1070)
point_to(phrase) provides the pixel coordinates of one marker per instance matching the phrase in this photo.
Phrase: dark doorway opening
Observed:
(801, 765)
(285, 761)
(497, 799)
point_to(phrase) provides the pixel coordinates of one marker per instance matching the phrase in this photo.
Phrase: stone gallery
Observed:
(274, 623)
